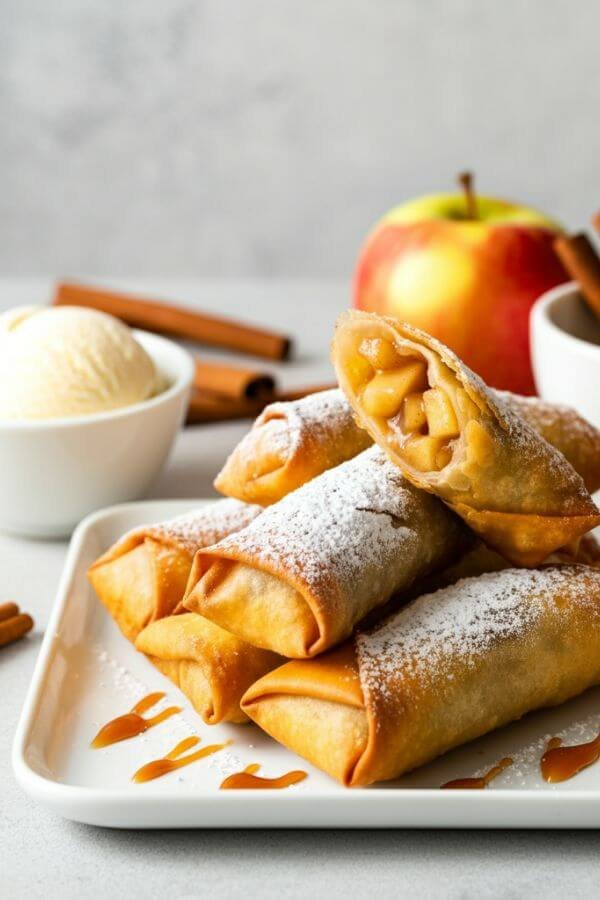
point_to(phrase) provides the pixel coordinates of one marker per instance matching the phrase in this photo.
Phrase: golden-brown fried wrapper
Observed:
(452, 436)
(288, 445)
(301, 576)
(563, 427)
(210, 666)
(480, 559)
(143, 576)
(447, 668)
(291, 443)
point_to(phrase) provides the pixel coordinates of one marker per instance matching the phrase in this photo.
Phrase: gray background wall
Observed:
(263, 137)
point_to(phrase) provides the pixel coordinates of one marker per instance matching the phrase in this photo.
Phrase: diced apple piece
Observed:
(466, 408)
(380, 353)
(441, 417)
(443, 457)
(413, 413)
(480, 445)
(359, 371)
(383, 395)
(421, 452)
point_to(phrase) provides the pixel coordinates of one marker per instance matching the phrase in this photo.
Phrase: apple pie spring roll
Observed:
(563, 427)
(447, 668)
(143, 576)
(300, 577)
(288, 445)
(453, 436)
(210, 666)
(479, 559)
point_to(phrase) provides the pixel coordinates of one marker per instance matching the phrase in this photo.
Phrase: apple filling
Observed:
(423, 419)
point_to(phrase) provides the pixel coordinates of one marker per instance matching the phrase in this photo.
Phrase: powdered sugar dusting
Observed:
(323, 417)
(127, 683)
(547, 411)
(463, 621)
(577, 437)
(359, 529)
(314, 411)
(526, 759)
(281, 439)
(544, 416)
(207, 525)
(548, 483)
(132, 690)
(226, 763)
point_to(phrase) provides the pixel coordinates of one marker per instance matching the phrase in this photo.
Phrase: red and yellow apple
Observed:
(467, 270)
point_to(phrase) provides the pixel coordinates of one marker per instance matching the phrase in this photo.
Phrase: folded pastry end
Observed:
(137, 581)
(265, 610)
(315, 708)
(210, 666)
(143, 576)
(288, 445)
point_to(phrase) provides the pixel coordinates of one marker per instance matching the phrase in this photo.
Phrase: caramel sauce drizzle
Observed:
(561, 763)
(174, 760)
(248, 780)
(483, 781)
(133, 723)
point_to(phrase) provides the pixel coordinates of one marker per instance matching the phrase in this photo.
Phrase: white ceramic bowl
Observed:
(55, 472)
(565, 346)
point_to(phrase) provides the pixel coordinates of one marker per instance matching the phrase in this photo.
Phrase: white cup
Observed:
(54, 472)
(565, 347)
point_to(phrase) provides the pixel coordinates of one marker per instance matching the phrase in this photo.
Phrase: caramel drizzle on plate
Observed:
(248, 780)
(132, 723)
(481, 782)
(175, 760)
(561, 763)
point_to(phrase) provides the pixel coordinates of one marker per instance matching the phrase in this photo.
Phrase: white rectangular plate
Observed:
(87, 673)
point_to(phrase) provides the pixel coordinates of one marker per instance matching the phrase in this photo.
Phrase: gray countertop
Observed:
(42, 855)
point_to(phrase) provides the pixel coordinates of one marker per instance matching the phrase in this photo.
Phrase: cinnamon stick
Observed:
(578, 256)
(233, 382)
(209, 407)
(596, 221)
(299, 393)
(205, 407)
(8, 610)
(164, 318)
(14, 628)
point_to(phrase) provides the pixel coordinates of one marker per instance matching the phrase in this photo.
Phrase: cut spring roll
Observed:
(290, 443)
(448, 668)
(210, 666)
(452, 436)
(143, 576)
(301, 576)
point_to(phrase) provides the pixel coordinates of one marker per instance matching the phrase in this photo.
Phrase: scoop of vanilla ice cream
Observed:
(68, 361)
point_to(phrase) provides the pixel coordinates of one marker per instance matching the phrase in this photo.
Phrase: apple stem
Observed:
(466, 179)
